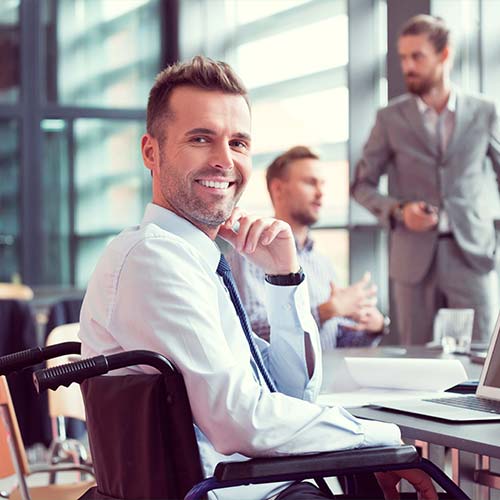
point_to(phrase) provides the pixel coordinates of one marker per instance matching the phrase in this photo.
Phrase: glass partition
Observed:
(9, 201)
(111, 185)
(10, 51)
(102, 53)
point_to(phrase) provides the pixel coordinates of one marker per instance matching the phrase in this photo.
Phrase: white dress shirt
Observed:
(440, 126)
(156, 288)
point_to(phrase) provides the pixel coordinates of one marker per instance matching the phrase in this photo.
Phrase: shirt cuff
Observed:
(288, 306)
(380, 433)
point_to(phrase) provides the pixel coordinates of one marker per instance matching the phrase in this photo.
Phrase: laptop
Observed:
(482, 406)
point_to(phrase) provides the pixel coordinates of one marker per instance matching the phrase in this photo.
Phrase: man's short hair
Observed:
(279, 166)
(199, 72)
(434, 27)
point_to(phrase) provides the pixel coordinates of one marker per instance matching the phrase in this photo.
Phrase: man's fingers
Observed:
(387, 482)
(419, 479)
(246, 222)
(254, 231)
(235, 216)
(260, 231)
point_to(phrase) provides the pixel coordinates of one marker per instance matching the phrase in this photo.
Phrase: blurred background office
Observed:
(74, 79)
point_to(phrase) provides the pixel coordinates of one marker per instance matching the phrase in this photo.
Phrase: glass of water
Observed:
(453, 328)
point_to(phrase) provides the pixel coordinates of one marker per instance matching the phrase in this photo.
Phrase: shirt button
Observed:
(288, 307)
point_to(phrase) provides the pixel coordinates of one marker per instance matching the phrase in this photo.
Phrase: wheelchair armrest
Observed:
(321, 464)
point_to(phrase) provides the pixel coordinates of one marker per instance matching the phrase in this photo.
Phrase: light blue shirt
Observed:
(156, 288)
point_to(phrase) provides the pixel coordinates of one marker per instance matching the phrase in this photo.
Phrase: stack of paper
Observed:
(376, 379)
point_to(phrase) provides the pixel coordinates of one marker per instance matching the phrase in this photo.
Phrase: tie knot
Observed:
(223, 268)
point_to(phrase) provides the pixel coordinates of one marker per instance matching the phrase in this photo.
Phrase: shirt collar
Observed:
(451, 105)
(308, 245)
(171, 222)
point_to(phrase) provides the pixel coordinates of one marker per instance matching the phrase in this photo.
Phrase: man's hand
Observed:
(350, 301)
(265, 241)
(419, 216)
(419, 479)
(370, 319)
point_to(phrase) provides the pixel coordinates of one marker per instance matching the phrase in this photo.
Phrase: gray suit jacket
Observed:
(400, 146)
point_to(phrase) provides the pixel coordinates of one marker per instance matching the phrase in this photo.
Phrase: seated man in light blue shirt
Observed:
(163, 286)
(346, 317)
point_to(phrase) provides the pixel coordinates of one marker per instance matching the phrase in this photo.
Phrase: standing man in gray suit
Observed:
(433, 142)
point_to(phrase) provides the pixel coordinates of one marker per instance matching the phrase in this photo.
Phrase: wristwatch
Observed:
(386, 328)
(290, 279)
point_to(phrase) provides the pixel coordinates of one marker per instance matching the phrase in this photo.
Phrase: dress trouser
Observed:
(450, 282)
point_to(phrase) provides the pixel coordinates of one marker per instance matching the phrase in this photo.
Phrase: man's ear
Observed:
(150, 152)
(275, 188)
(446, 54)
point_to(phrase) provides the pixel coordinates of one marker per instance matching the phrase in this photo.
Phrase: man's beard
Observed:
(190, 207)
(420, 87)
(304, 218)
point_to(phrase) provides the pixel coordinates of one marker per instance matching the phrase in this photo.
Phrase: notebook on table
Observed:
(484, 405)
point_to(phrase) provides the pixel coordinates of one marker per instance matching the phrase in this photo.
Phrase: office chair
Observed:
(13, 460)
(18, 331)
(15, 291)
(143, 443)
(64, 401)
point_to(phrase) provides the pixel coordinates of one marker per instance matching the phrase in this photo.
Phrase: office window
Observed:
(101, 53)
(335, 244)
(9, 200)
(474, 30)
(463, 18)
(111, 185)
(491, 46)
(297, 83)
(56, 193)
(246, 11)
(9, 51)
(313, 119)
(288, 54)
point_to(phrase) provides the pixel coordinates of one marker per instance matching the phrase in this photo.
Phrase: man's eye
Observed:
(239, 144)
(199, 140)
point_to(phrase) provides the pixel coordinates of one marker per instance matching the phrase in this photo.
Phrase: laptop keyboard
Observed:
(470, 402)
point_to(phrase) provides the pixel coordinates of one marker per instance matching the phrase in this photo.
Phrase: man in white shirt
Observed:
(346, 317)
(156, 287)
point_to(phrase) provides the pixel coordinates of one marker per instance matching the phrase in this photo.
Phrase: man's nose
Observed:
(407, 66)
(222, 157)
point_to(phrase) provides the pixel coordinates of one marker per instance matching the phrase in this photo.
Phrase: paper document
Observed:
(363, 397)
(362, 380)
(406, 373)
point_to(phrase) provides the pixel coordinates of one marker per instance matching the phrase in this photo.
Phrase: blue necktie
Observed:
(224, 270)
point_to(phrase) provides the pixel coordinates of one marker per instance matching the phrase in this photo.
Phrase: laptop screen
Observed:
(492, 377)
(489, 385)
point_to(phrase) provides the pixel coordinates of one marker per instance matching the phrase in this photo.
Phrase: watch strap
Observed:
(290, 279)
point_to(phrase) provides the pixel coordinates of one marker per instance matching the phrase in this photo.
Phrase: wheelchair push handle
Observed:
(18, 360)
(52, 378)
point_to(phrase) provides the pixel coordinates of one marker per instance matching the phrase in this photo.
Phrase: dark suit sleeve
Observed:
(377, 155)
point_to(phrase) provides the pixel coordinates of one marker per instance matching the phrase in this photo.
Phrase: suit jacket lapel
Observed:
(411, 112)
(464, 116)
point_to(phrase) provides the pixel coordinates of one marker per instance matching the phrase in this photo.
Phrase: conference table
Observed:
(474, 447)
